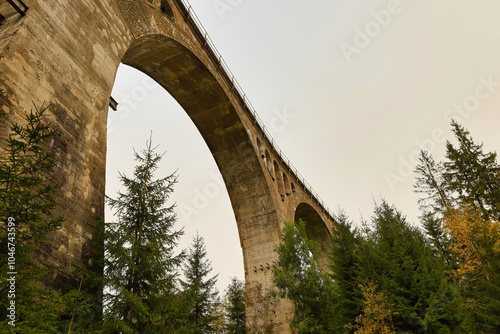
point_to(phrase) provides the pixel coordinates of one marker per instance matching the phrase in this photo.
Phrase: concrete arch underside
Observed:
(68, 55)
(316, 230)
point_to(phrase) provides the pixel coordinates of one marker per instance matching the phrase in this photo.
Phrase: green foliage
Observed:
(26, 196)
(468, 177)
(462, 213)
(398, 260)
(198, 288)
(25, 193)
(472, 176)
(388, 276)
(445, 313)
(83, 307)
(297, 277)
(388, 259)
(345, 267)
(235, 307)
(430, 181)
(439, 240)
(140, 270)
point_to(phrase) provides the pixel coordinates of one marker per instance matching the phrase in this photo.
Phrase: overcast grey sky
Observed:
(350, 91)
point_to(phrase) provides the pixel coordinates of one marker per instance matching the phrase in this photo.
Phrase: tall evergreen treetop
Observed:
(139, 248)
(198, 287)
(397, 258)
(468, 177)
(344, 266)
(471, 174)
(235, 307)
(461, 216)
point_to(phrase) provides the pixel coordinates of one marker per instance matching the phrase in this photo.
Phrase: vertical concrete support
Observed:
(65, 53)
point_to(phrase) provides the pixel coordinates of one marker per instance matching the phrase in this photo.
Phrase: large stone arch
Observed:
(172, 57)
(186, 78)
(67, 54)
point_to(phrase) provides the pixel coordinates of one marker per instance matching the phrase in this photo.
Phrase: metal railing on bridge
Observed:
(191, 17)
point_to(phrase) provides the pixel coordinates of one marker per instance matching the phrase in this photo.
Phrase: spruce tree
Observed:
(345, 273)
(472, 175)
(219, 323)
(462, 213)
(27, 202)
(141, 266)
(297, 277)
(235, 307)
(398, 260)
(26, 193)
(198, 288)
(468, 177)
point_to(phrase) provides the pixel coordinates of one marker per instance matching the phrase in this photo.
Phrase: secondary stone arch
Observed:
(316, 230)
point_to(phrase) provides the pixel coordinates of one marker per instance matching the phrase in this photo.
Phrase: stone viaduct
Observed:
(67, 53)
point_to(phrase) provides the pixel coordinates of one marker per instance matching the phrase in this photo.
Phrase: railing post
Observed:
(17, 8)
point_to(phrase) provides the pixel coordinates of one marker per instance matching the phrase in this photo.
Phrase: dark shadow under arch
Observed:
(316, 230)
(167, 9)
(199, 93)
(279, 180)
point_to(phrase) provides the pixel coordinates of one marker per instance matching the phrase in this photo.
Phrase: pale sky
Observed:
(349, 90)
